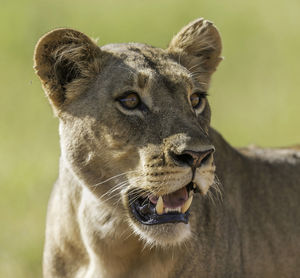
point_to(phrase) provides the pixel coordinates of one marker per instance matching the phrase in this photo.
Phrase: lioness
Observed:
(139, 161)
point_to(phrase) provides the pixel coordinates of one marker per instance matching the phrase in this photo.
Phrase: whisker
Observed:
(113, 177)
(134, 199)
(217, 185)
(119, 185)
(114, 191)
(211, 197)
(115, 188)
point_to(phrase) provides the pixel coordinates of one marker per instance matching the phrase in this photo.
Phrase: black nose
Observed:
(193, 159)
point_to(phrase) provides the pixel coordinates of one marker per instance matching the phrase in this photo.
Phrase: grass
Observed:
(254, 95)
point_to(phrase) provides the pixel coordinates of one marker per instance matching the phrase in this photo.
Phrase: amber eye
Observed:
(198, 100)
(130, 100)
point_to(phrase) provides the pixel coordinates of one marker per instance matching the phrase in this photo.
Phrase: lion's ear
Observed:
(66, 61)
(197, 47)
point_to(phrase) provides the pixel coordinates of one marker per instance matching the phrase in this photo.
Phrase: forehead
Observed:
(144, 63)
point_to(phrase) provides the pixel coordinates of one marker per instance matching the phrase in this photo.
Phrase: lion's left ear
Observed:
(197, 47)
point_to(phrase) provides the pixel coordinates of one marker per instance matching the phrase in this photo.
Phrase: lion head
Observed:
(134, 122)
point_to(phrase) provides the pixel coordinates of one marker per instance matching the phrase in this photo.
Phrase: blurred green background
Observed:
(254, 95)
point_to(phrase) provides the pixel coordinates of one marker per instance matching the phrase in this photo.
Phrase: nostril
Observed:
(192, 158)
(205, 157)
(182, 159)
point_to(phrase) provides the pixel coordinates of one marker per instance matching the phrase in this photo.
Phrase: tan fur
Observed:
(245, 222)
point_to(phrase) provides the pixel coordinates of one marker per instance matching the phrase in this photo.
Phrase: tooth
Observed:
(159, 205)
(187, 204)
(194, 185)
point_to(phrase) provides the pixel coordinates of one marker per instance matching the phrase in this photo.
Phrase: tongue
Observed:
(173, 200)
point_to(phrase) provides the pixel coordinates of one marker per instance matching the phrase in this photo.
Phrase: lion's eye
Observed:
(198, 100)
(130, 100)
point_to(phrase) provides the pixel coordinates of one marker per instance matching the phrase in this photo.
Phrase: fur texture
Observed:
(244, 223)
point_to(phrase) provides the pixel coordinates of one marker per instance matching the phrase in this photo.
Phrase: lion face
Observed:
(134, 123)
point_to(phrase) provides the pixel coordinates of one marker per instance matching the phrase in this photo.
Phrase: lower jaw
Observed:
(165, 236)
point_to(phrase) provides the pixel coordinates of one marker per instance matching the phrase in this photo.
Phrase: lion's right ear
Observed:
(197, 47)
(66, 61)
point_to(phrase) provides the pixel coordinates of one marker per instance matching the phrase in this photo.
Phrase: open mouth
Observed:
(170, 208)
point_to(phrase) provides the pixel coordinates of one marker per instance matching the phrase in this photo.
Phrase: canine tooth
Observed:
(187, 204)
(159, 205)
(194, 185)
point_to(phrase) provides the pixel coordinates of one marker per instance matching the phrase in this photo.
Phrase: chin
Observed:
(162, 235)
